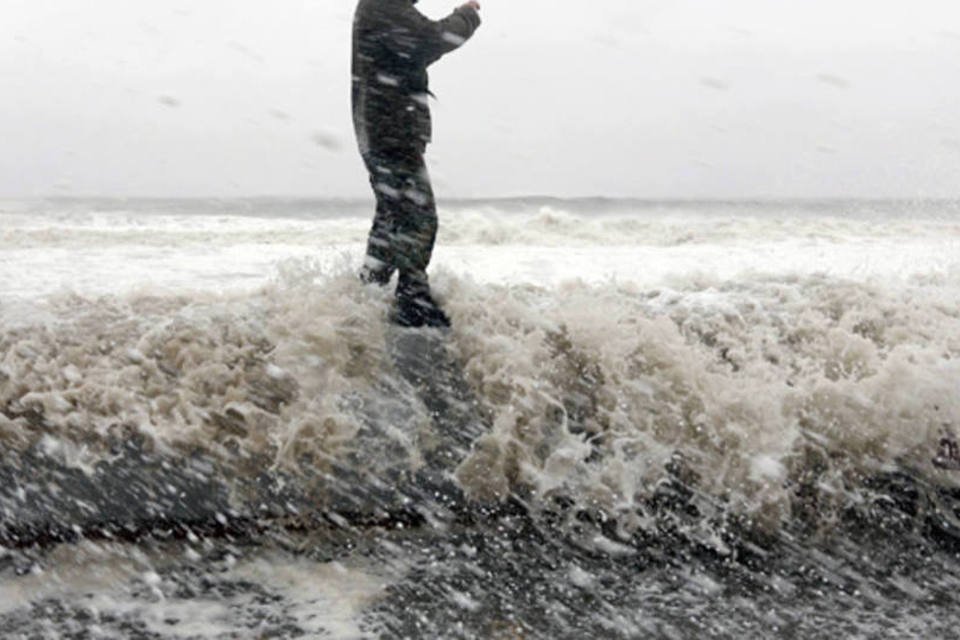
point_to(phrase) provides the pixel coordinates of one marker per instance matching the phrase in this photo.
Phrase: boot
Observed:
(416, 307)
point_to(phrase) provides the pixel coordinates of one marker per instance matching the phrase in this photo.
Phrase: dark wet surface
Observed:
(511, 576)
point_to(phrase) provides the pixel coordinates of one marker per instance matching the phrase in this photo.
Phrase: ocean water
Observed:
(709, 419)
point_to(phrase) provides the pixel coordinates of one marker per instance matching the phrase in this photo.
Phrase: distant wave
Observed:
(494, 223)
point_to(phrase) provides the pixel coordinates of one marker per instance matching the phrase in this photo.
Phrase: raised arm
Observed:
(428, 40)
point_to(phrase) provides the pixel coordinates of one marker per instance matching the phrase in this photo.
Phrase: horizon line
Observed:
(359, 199)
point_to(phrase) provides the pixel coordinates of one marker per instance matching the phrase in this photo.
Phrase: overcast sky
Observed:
(645, 98)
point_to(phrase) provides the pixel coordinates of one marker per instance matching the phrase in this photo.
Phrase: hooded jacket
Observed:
(393, 44)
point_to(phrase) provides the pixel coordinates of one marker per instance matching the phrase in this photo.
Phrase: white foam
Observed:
(750, 351)
(322, 599)
(52, 248)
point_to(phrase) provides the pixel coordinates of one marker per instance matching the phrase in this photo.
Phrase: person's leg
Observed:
(378, 264)
(404, 233)
(416, 221)
(405, 226)
(415, 233)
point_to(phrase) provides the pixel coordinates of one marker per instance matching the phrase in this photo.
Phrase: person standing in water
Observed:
(393, 44)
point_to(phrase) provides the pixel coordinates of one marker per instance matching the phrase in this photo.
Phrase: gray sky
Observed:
(646, 98)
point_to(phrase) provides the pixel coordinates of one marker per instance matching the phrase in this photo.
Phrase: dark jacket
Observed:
(393, 44)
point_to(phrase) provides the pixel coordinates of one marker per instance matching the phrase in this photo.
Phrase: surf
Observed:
(775, 401)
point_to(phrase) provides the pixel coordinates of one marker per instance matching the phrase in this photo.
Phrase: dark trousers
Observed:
(405, 226)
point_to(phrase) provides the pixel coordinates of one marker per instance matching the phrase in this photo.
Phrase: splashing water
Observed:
(767, 365)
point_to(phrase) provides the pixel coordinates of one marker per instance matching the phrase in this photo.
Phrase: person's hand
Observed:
(473, 4)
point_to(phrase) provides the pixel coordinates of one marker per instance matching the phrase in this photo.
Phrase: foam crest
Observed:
(760, 395)
(241, 376)
(774, 398)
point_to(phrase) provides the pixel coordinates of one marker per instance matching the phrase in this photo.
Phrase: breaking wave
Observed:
(774, 399)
